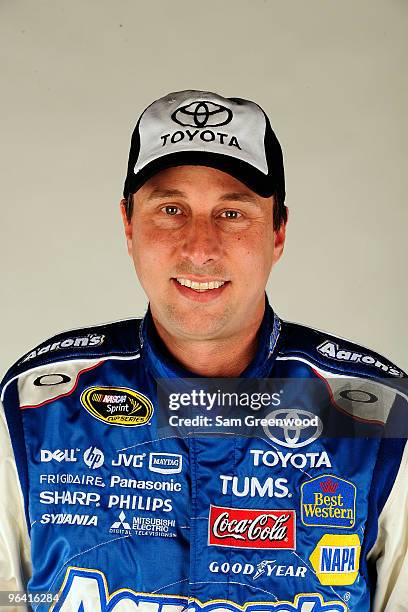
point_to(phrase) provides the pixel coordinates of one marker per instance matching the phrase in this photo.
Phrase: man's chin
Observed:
(196, 323)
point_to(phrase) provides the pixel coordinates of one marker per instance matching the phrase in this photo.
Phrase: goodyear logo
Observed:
(328, 501)
(336, 559)
(117, 406)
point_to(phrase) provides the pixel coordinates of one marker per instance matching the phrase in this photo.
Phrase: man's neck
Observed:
(219, 358)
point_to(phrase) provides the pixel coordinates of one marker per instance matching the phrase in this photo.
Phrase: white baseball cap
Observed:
(202, 128)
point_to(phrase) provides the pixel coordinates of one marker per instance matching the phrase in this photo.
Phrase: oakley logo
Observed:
(359, 395)
(50, 380)
(202, 114)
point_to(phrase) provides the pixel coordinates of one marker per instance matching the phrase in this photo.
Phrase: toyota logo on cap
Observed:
(202, 114)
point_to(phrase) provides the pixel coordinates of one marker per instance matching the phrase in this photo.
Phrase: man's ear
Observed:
(127, 226)
(279, 239)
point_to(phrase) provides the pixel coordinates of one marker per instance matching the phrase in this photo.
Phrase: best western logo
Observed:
(328, 501)
(336, 559)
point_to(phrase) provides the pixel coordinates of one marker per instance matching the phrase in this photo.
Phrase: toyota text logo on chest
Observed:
(293, 428)
(201, 114)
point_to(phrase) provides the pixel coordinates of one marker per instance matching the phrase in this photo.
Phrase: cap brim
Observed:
(257, 181)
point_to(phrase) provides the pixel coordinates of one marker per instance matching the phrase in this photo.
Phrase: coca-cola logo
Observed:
(249, 528)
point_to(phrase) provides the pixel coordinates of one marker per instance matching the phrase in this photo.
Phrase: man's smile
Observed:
(200, 291)
(200, 285)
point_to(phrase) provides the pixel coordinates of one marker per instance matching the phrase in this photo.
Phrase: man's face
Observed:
(203, 245)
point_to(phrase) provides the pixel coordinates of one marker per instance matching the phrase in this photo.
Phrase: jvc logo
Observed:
(86, 590)
(68, 455)
(129, 460)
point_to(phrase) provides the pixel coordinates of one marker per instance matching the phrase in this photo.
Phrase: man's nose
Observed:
(201, 242)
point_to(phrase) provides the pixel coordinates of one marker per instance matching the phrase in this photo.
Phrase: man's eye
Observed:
(171, 210)
(231, 214)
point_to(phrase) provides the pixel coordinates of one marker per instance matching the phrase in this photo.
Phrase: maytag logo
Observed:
(117, 406)
(249, 528)
(165, 463)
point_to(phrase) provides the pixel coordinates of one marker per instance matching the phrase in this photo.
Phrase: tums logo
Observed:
(249, 528)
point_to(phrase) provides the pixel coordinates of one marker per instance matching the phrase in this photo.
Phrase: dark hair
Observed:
(280, 212)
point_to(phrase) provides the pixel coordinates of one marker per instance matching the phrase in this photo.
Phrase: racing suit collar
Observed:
(163, 365)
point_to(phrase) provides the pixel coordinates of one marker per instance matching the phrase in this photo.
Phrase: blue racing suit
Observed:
(104, 509)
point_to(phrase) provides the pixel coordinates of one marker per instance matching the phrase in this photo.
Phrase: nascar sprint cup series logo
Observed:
(117, 406)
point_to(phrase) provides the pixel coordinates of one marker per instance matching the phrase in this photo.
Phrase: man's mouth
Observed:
(200, 287)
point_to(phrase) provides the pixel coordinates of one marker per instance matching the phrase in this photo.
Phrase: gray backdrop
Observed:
(332, 76)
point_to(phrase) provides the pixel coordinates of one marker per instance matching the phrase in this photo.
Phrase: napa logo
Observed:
(336, 559)
(87, 590)
(328, 501)
(117, 406)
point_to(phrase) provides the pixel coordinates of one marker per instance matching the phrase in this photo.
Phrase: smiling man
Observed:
(203, 245)
(109, 510)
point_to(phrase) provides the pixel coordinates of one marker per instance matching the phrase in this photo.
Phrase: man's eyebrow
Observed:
(166, 193)
(233, 196)
(240, 196)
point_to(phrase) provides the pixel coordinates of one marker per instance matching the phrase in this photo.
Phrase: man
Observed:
(127, 506)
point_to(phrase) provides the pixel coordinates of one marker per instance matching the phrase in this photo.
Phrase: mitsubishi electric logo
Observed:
(121, 526)
(201, 114)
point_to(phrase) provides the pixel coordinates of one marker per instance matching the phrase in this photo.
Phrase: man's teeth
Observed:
(200, 286)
